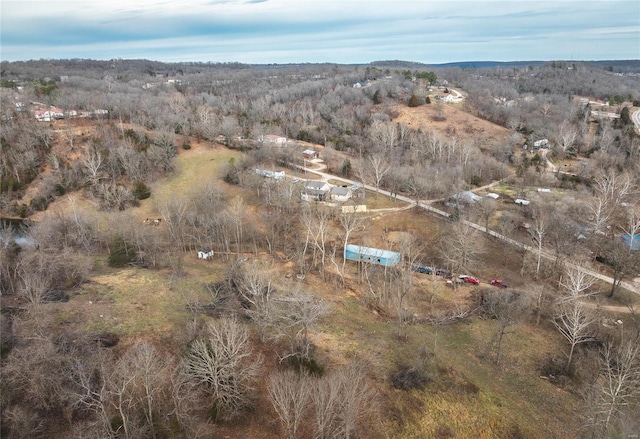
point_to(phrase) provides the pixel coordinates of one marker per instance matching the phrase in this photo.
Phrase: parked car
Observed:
(469, 279)
(424, 269)
(444, 273)
(499, 283)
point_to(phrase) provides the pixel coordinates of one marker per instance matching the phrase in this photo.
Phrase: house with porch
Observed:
(315, 190)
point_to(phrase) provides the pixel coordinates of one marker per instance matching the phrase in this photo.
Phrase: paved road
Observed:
(633, 287)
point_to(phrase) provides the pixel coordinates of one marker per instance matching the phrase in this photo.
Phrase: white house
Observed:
(315, 190)
(522, 202)
(339, 193)
(277, 175)
(48, 115)
(541, 143)
(272, 138)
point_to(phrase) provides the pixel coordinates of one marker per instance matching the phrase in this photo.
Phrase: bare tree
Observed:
(462, 247)
(538, 232)
(378, 167)
(223, 363)
(351, 222)
(403, 275)
(616, 390)
(509, 308)
(292, 317)
(573, 319)
(290, 395)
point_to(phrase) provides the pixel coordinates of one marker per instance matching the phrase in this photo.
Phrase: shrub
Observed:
(408, 378)
(186, 146)
(141, 191)
(413, 101)
(120, 253)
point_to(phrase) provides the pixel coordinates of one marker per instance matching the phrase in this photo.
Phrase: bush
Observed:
(186, 146)
(408, 378)
(59, 189)
(306, 364)
(413, 101)
(141, 191)
(120, 253)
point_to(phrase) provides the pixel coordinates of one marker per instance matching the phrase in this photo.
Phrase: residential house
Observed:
(273, 139)
(465, 198)
(340, 193)
(48, 115)
(376, 256)
(445, 97)
(315, 190)
(277, 175)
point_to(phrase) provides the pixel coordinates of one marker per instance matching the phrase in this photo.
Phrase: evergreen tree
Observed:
(413, 101)
(377, 99)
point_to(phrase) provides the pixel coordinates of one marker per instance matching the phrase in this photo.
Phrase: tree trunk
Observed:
(568, 366)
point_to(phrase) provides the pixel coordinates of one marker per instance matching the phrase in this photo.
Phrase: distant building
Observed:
(272, 138)
(310, 154)
(315, 190)
(371, 255)
(631, 241)
(466, 198)
(206, 255)
(277, 175)
(48, 115)
(544, 143)
(339, 193)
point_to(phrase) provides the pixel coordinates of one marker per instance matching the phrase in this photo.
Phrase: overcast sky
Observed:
(337, 31)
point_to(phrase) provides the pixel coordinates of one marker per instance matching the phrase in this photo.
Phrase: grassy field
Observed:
(467, 396)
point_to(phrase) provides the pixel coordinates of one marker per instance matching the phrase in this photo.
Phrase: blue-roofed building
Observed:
(371, 255)
(632, 241)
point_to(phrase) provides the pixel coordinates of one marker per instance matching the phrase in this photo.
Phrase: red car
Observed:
(469, 279)
(499, 283)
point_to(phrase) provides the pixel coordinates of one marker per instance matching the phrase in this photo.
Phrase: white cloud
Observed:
(351, 31)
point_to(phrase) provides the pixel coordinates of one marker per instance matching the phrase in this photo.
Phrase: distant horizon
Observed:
(320, 31)
(400, 61)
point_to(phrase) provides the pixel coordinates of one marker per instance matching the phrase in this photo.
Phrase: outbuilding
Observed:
(631, 241)
(310, 154)
(377, 256)
(206, 255)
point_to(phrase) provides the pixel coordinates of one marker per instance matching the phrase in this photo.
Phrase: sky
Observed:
(314, 31)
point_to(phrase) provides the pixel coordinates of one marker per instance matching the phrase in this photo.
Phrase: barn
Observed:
(371, 255)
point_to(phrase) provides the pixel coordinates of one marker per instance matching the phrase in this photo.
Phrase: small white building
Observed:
(277, 175)
(205, 255)
(522, 202)
(272, 138)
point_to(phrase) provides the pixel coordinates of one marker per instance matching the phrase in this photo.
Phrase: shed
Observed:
(372, 255)
(310, 154)
(631, 241)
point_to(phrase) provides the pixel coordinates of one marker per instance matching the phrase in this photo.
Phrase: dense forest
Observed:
(113, 174)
